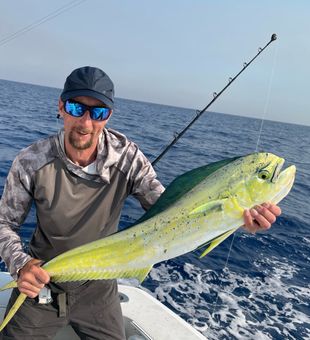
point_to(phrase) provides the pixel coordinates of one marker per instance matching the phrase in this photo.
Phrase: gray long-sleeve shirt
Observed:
(73, 207)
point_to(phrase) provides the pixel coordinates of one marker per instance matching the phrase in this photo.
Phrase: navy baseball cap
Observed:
(89, 81)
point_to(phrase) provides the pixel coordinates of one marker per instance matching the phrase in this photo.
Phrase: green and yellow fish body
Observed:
(203, 206)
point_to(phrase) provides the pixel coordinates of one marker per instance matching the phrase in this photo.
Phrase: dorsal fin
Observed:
(181, 185)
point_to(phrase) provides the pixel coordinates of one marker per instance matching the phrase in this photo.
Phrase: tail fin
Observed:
(21, 298)
(9, 285)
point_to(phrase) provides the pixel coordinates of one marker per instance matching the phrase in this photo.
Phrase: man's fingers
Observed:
(40, 274)
(261, 217)
(261, 220)
(249, 223)
(33, 267)
(32, 278)
(274, 209)
(29, 289)
(269, 211)
(29, 285)
(247, 217)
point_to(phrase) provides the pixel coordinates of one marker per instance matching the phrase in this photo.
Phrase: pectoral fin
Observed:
(208, 207)
(217, 241)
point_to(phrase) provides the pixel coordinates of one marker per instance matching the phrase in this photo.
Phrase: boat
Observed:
(145, 317)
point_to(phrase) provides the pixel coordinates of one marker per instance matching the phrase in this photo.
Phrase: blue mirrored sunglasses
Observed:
(77, 109)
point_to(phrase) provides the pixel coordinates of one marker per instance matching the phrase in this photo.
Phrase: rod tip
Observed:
(273, 37)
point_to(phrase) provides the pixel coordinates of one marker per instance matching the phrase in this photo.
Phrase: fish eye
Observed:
(264, 174)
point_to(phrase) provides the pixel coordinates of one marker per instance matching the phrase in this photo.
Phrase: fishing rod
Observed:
(178, 135)
(41, 21)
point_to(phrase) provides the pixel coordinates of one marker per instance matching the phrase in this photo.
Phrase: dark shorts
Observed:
(92, 309)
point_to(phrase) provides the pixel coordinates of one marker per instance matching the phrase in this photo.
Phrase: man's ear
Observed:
(60, 108)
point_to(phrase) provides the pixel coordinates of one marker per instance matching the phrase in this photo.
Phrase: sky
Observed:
(173, 52)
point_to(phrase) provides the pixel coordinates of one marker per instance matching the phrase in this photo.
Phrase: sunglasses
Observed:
(76, 109)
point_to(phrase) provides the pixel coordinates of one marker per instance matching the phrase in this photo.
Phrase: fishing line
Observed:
(263, 118)
(41, 21)
(267, 101)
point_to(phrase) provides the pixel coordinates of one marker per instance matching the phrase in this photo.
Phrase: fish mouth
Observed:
(285, 181)
(288, 173)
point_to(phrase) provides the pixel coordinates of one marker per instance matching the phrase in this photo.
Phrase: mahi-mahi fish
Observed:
(199, 208)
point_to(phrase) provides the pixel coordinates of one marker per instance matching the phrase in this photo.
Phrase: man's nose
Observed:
(86, 118)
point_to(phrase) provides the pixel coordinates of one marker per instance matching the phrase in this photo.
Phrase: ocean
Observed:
(262, 289)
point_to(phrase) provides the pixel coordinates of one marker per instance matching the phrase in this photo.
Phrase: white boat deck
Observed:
(145, 317)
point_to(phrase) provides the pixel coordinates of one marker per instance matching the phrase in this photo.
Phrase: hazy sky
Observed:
(170, 52)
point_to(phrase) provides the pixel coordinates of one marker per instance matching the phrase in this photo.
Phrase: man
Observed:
(78, 181)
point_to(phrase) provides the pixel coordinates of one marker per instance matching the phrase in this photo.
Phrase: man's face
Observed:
(82, 133)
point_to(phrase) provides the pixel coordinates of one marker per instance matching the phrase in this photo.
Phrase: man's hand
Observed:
(32, 278)
(260, 217)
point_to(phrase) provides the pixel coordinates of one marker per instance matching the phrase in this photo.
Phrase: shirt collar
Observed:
(109, 151)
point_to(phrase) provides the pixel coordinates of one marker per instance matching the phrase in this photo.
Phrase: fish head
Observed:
(264, 180)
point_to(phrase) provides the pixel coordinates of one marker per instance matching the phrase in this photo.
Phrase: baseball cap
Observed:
(89, 81)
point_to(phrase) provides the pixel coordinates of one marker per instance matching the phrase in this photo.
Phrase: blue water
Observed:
(264, 291)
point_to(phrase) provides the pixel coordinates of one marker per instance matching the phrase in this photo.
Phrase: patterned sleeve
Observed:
(146, 187)
(15, 204)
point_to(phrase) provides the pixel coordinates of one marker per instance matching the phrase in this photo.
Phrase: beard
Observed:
(77, 143)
